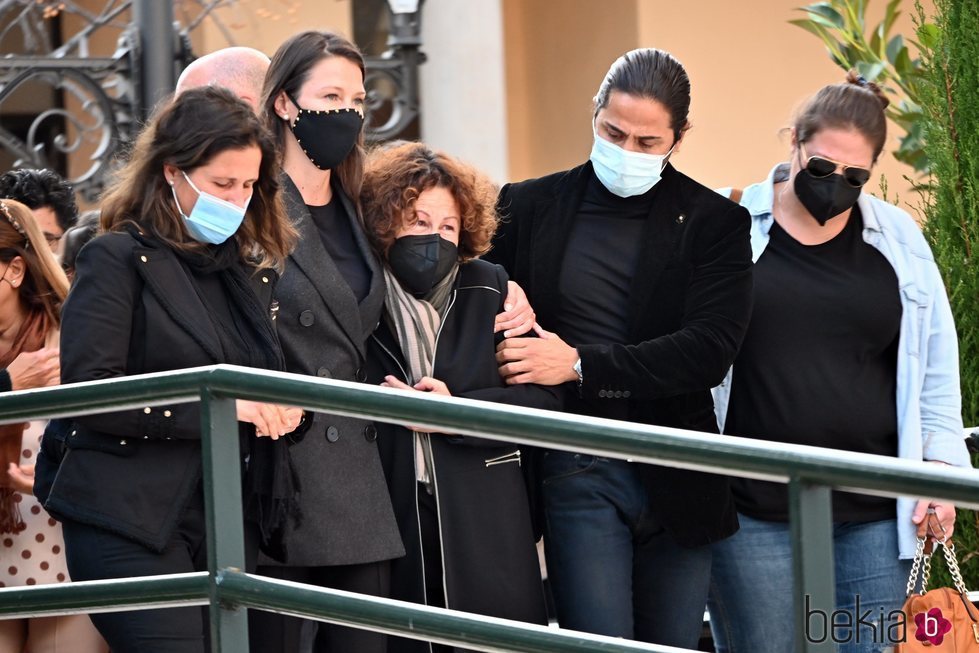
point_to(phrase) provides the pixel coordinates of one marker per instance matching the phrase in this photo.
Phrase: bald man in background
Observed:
(239, 69)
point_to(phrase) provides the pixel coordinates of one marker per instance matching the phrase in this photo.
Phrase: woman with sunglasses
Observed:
(851, 346)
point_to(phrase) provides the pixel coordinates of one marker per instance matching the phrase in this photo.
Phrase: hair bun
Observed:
(855, 78)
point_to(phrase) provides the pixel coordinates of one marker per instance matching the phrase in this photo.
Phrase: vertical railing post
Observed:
(223, 514)
(811, 522)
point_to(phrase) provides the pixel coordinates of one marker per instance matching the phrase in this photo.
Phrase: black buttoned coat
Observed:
(346, 510)
(133, 309)
(690, 302)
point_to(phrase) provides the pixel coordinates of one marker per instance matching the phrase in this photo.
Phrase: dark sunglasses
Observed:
(820, 167)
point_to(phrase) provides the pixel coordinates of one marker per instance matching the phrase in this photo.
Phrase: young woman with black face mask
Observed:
(330, 300)
(461, 502)
(851, 346)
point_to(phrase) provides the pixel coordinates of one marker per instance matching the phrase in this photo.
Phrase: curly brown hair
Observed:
(397, 174)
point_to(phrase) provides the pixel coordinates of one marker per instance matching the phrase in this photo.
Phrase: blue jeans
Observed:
(613, 567)
(751, 602)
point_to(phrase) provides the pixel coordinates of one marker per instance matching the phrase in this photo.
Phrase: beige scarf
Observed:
(416, 323)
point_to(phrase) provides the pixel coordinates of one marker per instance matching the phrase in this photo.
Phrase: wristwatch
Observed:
(577, 370)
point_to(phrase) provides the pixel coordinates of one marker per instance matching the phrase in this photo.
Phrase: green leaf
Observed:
(877, 42)
(891, 15)
(870, 71)
(894, 48)
(854, 16)
(826, 12)
(819, 19)
(809, 26)
(929, 35)
(903, 64)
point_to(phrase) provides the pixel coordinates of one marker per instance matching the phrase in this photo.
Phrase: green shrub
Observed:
(949, 98)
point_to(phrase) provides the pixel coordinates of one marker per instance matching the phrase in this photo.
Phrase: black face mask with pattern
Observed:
(327, 137)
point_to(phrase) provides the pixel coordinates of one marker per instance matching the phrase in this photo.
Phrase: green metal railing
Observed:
(810, 472)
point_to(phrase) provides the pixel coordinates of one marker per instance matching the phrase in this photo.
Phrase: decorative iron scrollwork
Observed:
(98, 105)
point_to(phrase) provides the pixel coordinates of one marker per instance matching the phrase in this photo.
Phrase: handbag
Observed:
(941, 620)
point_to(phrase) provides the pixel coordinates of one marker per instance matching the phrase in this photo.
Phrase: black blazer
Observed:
(690, 301)
(132, 310)
(487, 541)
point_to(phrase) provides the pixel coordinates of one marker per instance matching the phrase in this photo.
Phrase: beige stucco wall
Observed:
(748, 67)
(556, 53)
(265, 24)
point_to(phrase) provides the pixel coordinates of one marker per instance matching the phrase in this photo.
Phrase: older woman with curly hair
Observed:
(461, 502)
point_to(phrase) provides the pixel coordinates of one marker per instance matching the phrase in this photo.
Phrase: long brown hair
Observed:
(289, 70)
(44, 286)
(187, 133)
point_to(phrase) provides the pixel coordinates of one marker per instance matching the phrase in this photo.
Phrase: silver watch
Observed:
(577, 370)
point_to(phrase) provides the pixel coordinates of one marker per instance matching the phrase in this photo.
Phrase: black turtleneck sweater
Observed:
(597, 273)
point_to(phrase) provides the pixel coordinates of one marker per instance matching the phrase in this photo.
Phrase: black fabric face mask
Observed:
(327, 137)
(420, 262)
(824, 197)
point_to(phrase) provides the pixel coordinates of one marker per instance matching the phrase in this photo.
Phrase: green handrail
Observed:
(811, 473)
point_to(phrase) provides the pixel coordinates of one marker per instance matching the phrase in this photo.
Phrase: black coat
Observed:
(133, 309)
(690, 304)
(347, 516)
(488, 550)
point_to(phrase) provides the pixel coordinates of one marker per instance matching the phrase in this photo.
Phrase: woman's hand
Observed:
(271, 420)
(518, 315)
(21, 477)
(35, 369)
(935, 519)
(425, 384)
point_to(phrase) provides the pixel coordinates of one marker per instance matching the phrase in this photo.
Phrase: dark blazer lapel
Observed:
(553, 219)
(659, 238)
(167, 280)
(371, 305)
(311, 257)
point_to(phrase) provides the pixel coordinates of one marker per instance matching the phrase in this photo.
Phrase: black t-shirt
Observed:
(596, 277)
(337, 234)
(819, 361)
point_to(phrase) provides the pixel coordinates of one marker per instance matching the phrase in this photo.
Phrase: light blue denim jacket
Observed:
(929, 411)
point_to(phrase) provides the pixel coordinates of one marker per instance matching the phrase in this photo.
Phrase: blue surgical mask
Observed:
(212, 220)
(626, 173)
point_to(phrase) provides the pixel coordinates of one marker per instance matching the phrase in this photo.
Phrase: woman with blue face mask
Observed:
(182, 277)
(645, 277)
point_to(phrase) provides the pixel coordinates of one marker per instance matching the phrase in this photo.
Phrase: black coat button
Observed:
(602, 394)
(306, 318)
(617, 394)
(627, 394)
(323, 373)
(370, 432)
(333, 434)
